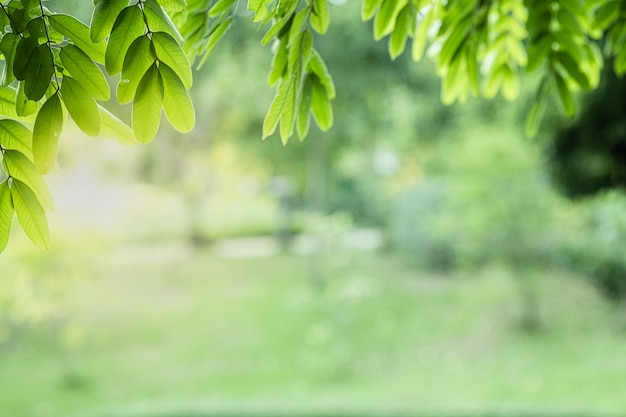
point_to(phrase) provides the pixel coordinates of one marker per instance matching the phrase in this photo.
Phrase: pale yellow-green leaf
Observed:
(6, 214)
(21, 168)
(85, 71)
(30, 214)
(147, 106)
(14, 135)
(46, 132)
(176, 102)
(81, 106)
(114, 128)
(170, 53)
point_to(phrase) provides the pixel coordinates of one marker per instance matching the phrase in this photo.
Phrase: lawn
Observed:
(164, 330)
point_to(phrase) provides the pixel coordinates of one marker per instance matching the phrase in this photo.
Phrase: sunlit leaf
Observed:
(23, 106)
(147, 106)
(159, 21)
(219, 7)
(104, 14)
(173, 5)
(113, 127)
(320, 18)
(276, 108)
(78, 32)
(320, 104)
(85, 71)
(14, 135)
(30, 214)
(170, 53)
(128, 26)
(81, 106)
(21, 168)
(139, 58)
(385, 20)
(288, 116)
(46, 132)
(369, 8)
(176, 102)
(304, 110)
(6, 214)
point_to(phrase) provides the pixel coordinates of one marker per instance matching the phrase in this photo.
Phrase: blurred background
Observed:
(418, 259)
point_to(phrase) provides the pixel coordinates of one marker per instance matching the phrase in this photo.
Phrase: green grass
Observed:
(184, 333)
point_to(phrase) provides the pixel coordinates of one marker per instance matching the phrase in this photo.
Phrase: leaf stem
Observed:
(49, 42)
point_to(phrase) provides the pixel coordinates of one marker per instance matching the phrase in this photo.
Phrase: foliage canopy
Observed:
(55, 66)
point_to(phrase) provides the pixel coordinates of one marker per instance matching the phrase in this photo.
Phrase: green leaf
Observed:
(85, 71)
(288, 116)
(277, 27)
(420, 37)
(104, 14)
(23, 106)
(159, 21)
(6, 214)
(114, 128)
(318, 67)
(320, 18)
(176, 102)
(279, 63)
(298, 25)
(7, 101)
(173, 5)
(147, 106)
(21, 168)
(78, 33)
(215, 36)
(400, 34)
(14, 135)
(386, 18)
(220, 7)
(567, 99)
(128, 26)
(276, 108)
(30, 214)
(369, 9)
(320, 105)
(304, 111)
(8, 47)
(139, 59)
(23, 52)
(38, 73)
(81, 106)
(46, 132)
(171, 54)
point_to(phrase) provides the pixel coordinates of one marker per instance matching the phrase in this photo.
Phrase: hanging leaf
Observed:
(30, 214)
(14, 135)
(386, 18)
(288, 116)
(6, 214)
(173, 5)
(176, 102)
(320, 17)
(215, 36)
(104, 14)
(85, 71)
(23, 51)
(78, 32)
(304, 112)
(8, 47)
(23, 106)
(114, 128)
(46, 132)
(276, 108)
(147, 105)
(21, 168)
(320, 105)
(38, 73)
(369, 9)
(170, 53)
(128, 26)
(81, 106)
(139, 59)
(159, 21)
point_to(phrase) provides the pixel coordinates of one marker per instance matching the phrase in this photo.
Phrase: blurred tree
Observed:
(52, 67)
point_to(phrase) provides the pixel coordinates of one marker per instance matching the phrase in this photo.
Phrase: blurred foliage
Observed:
(589, 155)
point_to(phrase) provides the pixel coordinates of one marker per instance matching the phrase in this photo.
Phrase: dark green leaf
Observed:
(104, 14)
(85, 71)
(147, 105)
(46, 132)
(23, 52)
(30, 214)
(21, 168)
(78, 33)
(128, 26)
(81, 106)
(8, 47)
(176, 102)
(38, 73)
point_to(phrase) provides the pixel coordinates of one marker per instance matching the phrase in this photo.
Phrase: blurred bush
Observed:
(484, 200)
